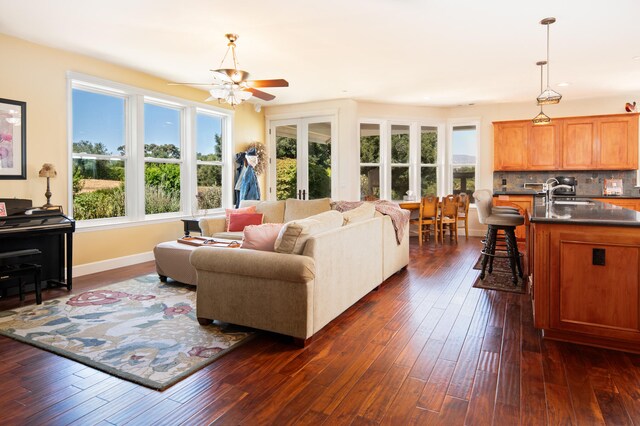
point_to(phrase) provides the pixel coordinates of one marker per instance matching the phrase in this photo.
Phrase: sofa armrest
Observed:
(254, 263)
(212, 225)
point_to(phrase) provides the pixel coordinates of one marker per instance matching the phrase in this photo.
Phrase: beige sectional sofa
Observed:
(296, 294)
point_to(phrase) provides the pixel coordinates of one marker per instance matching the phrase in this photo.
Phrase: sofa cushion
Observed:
(294, 235)
(301, 209)
(238, 221)
(359, 214)
(261, 237)
(228, 212)
(273, 211)
(236, 236)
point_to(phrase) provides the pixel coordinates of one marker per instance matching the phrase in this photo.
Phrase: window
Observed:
(162, 158)
(369, 161)
(464, 148)
(138, 155)
(99, 157)
(411, 166)
(400, 149)
(209, 160)
(428, 160)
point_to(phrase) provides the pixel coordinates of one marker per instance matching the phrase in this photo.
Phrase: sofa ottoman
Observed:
(172, 260)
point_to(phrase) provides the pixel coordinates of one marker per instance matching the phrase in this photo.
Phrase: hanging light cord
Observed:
(547, 58)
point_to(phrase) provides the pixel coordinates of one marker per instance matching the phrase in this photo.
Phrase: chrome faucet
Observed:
(553, 189)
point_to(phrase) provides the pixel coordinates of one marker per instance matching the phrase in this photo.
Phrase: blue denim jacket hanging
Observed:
(249, 190)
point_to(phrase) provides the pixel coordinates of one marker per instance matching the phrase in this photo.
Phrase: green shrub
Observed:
(159, 200)
(99, 204)
(209, 197)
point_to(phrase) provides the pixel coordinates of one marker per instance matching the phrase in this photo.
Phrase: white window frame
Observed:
(382, 155)
(449, 161)
(415, 164)
(134, 157)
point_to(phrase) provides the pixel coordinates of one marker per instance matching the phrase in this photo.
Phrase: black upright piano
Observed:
(51, 232)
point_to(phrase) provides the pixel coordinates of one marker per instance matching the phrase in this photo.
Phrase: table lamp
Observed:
(48, 170)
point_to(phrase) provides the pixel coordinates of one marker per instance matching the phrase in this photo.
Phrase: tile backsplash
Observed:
(589, 182)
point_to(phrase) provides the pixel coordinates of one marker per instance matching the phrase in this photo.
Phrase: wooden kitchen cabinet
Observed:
(586, 284)
(579, 135)
(543, 147)
(606, 142)
(510, 145)
(600, 143)
(617, 142)
(524, 203)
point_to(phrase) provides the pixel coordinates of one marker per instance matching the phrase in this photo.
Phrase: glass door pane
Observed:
(319, 161)
(286, 162)
(399, 161)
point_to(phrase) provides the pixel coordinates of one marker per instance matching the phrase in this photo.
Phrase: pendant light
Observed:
(541, 118)
(548, 96)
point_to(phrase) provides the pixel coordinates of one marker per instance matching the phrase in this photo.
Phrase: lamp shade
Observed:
(48, 170)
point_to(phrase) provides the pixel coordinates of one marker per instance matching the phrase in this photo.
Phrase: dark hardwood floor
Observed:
(427, 348)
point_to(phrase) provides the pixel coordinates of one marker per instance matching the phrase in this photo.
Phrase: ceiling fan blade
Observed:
(231, 75)
(260, 94)
(280, 82)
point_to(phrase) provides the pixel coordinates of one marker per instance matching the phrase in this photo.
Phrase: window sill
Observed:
(105, 226)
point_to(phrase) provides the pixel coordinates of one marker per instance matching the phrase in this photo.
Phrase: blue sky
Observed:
(463, 142)
(100, 118)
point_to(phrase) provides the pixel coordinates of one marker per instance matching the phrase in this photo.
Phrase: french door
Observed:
(304, 158)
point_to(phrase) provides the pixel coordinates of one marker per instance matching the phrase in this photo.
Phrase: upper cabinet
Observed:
(510, 145)
(543, 150)
(577, 143)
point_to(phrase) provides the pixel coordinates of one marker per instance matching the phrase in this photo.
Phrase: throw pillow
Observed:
(261, 237)
(359, 214)
(227, 212)
(294, 235)
(238, 221)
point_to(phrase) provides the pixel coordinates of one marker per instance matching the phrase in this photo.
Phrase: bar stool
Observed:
(495, 221)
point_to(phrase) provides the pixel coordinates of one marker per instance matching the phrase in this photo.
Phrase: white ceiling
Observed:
(415, 52)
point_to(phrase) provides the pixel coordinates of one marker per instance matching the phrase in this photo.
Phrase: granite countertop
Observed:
(594, 213)
(525, 191)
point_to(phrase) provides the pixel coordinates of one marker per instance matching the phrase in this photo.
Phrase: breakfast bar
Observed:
(586, 272)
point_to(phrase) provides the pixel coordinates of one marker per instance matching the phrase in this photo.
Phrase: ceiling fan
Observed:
(232, 85)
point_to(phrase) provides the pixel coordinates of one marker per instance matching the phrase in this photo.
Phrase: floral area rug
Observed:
(140, 330)
(500, 279)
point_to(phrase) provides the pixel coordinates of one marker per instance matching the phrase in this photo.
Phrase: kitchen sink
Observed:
(573, 202)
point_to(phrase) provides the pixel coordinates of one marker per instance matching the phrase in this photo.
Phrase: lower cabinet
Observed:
(587, 284)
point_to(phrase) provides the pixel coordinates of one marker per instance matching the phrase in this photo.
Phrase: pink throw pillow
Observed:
(238, 221)
(261, 237)
(228, 212)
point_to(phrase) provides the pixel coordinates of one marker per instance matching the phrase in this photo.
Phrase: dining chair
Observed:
(428, 216)
(449, 216)
(463, 212)
(370, 198)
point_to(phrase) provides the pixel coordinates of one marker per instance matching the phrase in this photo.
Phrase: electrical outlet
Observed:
(504, 181)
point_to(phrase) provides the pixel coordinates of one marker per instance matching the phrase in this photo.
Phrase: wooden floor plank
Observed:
(426, 348)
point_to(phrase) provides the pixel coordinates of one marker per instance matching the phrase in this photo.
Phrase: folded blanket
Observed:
(399, 217)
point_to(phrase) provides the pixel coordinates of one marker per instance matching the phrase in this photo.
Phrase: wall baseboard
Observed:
(105, 265)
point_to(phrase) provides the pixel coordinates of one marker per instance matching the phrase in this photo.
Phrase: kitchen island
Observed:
(586, 272)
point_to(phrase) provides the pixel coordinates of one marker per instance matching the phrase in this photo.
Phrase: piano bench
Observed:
(13, 265)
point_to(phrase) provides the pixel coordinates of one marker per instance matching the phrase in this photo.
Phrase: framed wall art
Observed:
(13, 139)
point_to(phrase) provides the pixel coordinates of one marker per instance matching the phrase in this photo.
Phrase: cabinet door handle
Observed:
(299, 191)
(304, 194)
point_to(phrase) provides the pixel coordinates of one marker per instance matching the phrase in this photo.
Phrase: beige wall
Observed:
(37, 75)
